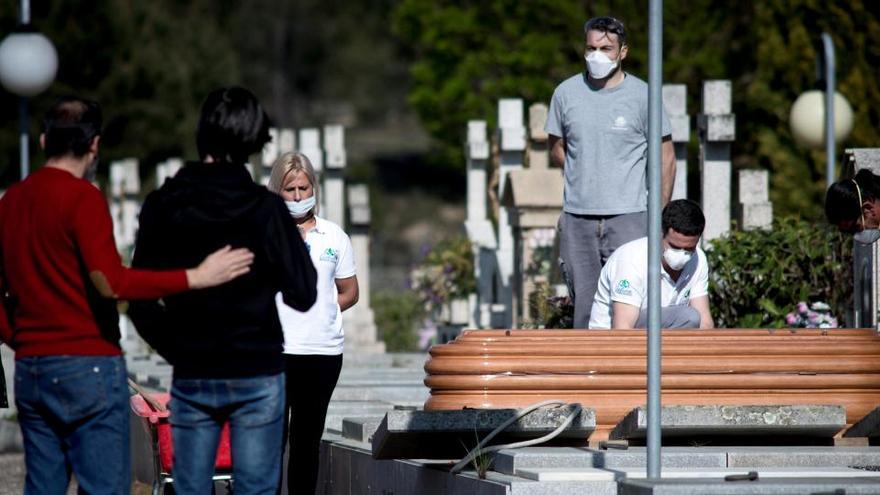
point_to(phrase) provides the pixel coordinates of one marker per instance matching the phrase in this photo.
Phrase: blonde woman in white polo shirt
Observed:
(312, 339)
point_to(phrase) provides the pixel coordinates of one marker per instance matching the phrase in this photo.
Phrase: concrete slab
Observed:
(712, 421)
(361, 429)
(568, 474)
(761, 486)
(868, 457)
(450, 434)
(765, 472)
(609, 474)
(390, 393)
(515, 460)
(563, 487)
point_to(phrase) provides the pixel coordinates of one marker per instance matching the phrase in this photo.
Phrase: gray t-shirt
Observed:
(606, 138)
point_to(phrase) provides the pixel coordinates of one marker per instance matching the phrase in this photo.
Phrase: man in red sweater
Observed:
(60, 278)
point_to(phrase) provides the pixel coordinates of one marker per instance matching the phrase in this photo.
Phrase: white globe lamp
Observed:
(807, 119)
(28, 63)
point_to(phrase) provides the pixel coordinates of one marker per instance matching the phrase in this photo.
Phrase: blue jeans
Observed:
(254, 408)
(73, 412)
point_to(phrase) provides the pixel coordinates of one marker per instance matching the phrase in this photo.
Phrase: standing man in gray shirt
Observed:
(598, 127)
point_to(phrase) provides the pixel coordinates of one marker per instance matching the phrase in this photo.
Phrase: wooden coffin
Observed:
(606, 369)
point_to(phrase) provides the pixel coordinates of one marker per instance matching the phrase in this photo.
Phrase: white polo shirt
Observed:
(319, 330)
(624, 279)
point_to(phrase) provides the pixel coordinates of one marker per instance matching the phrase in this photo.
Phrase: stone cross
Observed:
(675, 104)
(359, 321)
(754, 209)
(282, 141)
(166, 169)
(334, 183)
(512, 140)
(271, 150)
(539, 155)
(716, 129)
(125, 185)
(310, 145)
(479, 229)
(533, 200)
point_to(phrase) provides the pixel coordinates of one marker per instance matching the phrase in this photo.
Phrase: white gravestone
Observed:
(479, 229)
(675, 104)
(512, 137)
(754, 210)
(359, 321)
(334, 181)
(717, 129)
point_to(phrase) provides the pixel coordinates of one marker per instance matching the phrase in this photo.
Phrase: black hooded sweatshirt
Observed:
(230, 331)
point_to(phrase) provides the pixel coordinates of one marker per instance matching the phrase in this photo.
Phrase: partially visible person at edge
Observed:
(224, 343)
(598, 133)
(853, 205)
(312, 339)
(60, 278)
(621, 300)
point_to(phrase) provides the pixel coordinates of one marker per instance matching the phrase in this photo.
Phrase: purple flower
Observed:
(802, 308)
(791, 319)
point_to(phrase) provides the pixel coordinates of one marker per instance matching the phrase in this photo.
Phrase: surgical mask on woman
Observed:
(599, 65)
(300, 208)
(677, 258)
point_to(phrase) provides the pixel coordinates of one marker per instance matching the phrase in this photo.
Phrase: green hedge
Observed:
(757, 276)
(397, 316)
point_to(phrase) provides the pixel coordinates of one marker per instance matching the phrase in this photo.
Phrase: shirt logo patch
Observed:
(330, 255)
(623, 288)
(619, 123)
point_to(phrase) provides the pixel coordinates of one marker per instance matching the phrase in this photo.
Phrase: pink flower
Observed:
(791, 319)
(802, 308)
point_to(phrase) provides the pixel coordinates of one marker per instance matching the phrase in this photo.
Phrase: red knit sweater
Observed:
(57, 258)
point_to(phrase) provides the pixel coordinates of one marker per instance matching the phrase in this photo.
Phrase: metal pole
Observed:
(25, 11)
(655, 102)
(828, 48)
(23, 107)
(23, 137)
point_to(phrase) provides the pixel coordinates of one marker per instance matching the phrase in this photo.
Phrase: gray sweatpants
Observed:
(672, 317)
(585, 243)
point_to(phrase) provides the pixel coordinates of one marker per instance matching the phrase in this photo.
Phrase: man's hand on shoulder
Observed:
(220, 267)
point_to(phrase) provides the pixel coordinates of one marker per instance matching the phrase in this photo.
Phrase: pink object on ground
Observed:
(159, 423)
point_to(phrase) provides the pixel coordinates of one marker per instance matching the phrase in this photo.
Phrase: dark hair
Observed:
(70, 126)
(683, 216)
(607, 24)
(232, 126)
(842, 198)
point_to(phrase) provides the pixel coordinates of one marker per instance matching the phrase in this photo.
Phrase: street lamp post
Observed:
(822, 118)
(28, 64)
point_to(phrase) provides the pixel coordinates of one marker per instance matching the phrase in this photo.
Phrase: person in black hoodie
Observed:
(224, 343)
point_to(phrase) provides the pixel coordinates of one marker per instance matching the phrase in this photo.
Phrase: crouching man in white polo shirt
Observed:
(621, 300)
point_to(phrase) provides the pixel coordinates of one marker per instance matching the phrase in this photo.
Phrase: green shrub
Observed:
(757, 276)
(397, 315)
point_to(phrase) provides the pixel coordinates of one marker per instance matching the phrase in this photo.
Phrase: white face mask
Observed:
(300, 208)
(599, 65)
(677, 258)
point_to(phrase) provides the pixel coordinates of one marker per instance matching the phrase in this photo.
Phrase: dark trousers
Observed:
(310, 383)
(585, 243)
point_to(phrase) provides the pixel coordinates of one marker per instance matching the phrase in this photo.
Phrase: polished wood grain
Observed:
(605, 369)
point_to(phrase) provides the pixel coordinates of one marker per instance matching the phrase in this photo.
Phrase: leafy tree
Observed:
(467, 54)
